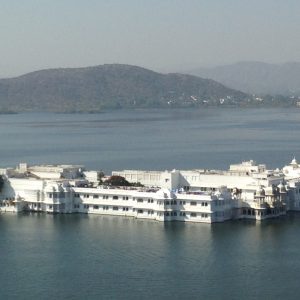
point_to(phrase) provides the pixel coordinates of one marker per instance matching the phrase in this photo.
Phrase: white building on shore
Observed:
(246, 190)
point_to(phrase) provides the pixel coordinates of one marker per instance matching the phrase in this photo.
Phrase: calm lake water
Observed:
(155, 139)
(101, 257)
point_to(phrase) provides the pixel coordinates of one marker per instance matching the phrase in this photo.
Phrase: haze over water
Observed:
(102, 257)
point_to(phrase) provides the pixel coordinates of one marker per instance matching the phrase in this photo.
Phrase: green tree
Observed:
(1, 183)
(116, 181)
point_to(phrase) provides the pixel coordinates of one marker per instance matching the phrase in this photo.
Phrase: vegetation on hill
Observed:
(110, 86)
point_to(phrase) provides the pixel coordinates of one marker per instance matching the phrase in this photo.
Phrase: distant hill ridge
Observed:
(109, 86)
(256, 77)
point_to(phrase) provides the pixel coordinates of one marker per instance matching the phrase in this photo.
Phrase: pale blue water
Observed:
(155, 139)
(102, 257)
(97, 257)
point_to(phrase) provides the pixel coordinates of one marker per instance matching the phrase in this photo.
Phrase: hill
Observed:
(109, 86)
(256, 77)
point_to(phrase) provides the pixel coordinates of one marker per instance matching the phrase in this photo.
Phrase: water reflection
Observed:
(113, 257)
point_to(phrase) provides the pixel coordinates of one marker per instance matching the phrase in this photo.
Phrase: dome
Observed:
(294, 162)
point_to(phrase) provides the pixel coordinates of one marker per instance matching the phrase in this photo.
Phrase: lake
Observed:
(102, 257)
(152, 139)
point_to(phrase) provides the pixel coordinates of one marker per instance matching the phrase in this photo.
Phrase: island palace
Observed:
(246, 190)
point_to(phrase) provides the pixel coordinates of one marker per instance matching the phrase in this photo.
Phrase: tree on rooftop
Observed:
(100, 177)
(1, 182)
(116, 180)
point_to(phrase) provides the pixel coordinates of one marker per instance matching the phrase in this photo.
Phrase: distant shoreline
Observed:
(8, 113)
(203, 107)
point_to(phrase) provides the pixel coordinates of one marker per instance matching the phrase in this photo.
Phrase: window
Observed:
(125, 198)
(105, 197)
(86, 206)
(96, 207)
(194, 203)
(115, 208)
(115, 197)
(95, 196)
(140, 200)
(140, 211)
(193, 215)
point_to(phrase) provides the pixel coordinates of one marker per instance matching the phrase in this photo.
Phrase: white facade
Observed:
(157, 204)
(54, 189)
(243, 180)
(246, 190)
(292, 171)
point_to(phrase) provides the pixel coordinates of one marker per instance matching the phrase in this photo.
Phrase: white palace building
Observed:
(246, 190)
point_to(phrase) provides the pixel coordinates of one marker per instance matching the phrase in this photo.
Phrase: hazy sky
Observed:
(158, 34)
